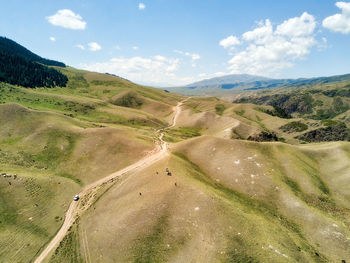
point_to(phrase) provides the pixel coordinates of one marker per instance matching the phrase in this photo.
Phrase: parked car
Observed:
(76, 198)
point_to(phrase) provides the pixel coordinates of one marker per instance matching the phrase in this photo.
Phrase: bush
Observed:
(264, 136)
(220, 108)
(335, 132)
(130, 100)
(294, 126)
(277, 111)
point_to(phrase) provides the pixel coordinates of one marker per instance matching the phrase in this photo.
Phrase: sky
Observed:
(176, 42)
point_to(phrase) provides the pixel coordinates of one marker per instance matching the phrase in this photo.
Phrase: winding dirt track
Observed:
(72, 211)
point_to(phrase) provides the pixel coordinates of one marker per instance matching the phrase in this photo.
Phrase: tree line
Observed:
(19, 66)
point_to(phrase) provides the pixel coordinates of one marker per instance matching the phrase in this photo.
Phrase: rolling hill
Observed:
(166, 178)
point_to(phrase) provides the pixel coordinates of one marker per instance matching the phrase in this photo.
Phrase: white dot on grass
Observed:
(196, 208)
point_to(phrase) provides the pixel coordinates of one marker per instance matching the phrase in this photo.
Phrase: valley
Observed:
(163, 177)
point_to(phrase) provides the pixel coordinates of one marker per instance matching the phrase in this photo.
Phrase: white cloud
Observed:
(220, 74)
(268, 50)
(229, 42)
(80, 46)
(160, 58)
(212, 75)
(322, 45)
(117, 47)
(157, 70)
(53, 39)
(135, 48)
(68, 19)
(193, 56)
(298, 26)
(339, 22)
(142, 6)
(93, 46)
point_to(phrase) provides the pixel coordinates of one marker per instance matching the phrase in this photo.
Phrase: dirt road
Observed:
(72, 211)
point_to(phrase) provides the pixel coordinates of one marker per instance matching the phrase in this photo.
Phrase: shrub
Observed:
(220, 108)
(264, 136)
(130, 100)
(335, 132)
(294, 126)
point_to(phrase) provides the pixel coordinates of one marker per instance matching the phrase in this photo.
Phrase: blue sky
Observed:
(175, 42)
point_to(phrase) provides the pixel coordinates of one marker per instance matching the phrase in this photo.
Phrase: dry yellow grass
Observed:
(231, 202)
(226, 200)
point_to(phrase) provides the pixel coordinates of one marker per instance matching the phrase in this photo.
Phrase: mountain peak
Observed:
(228, 79)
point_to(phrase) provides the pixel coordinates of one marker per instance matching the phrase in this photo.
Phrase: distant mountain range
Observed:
(228, 79)
(233, 84)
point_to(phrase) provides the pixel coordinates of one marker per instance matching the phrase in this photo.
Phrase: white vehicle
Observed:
(76, 198)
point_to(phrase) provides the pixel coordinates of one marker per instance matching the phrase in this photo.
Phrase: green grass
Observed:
(37, 141)
(293, 185)
(331, 122)
(220, 108)
(181, 133)
(77, 107)
(48, 157)
(40, 101)
(52, 155)
(254, 207)
(69, 248)
(27, 226)
(238, 256)
(71, 177)
(237, 133)
(257, 121)
(11, 141)
(310, 170)
(249, 204)
(240, 112)
(308, 166)
(151, 247)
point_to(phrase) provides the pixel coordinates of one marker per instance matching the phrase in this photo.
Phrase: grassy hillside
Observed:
(226, 201)
(231, 196)
(19, 66)
(326, 107)
(58, 140)
(9, 46)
